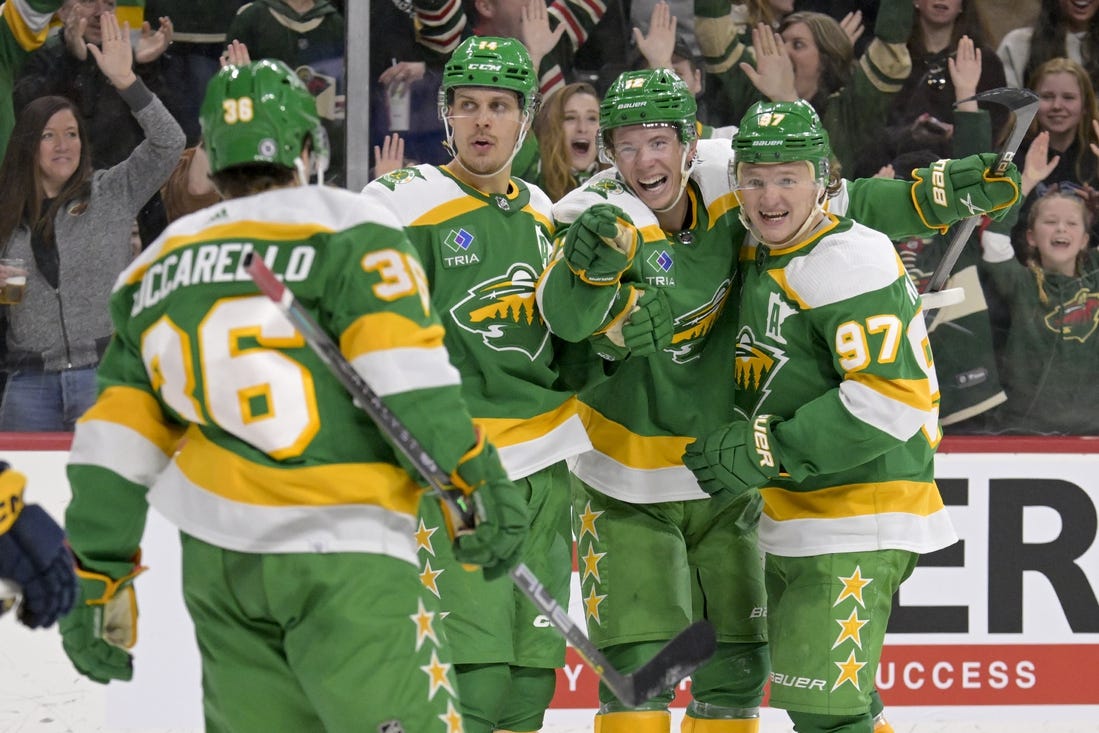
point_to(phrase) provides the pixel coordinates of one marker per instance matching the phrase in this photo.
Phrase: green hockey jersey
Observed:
(642, 418)
(831, 339)
(213, 405)
(1051, 357)
(482, 254)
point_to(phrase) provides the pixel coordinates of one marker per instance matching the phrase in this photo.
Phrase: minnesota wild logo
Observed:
(502, 310)
(606, 187)
(1076, 319)
(755, 365)
(691, 327)
(400, 176)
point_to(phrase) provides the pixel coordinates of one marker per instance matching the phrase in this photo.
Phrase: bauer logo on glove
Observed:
(600, 245)
(951, 190)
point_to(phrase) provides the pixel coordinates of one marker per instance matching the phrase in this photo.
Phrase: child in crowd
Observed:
(1051, 357)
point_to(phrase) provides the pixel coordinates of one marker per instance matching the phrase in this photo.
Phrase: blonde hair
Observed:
(1034, 259)
(549, 127)
(1089, 107)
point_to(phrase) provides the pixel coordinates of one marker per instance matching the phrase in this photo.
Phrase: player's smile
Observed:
(648, 157)
(777, 198)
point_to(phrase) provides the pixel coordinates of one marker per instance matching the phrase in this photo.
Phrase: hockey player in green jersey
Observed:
(646, 267)
(836, 422)
(296, 515)
(484, 237)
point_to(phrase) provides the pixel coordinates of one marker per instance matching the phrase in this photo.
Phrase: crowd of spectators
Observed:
(892, 81)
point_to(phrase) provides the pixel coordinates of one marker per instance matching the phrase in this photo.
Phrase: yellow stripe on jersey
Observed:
(779, 276)
(226, 474)
(720, 206)
(652, 233)
(915, 393)
(540, 218)
(852, 500)
(28, 27)
(637, 451)
(244, 231)
(138, 410)
(512, 431)
(378, 331)
(450, 210)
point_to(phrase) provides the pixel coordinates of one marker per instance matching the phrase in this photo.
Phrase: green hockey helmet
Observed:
(260, 113)
(782, 132)
(649, 96)
(486, 61)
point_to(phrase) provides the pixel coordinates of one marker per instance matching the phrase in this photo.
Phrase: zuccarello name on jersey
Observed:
(215, 263)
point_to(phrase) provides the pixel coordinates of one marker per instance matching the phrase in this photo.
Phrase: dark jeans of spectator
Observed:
(37, 401)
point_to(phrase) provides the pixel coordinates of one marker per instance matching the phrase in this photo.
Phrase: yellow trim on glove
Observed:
(110, 586)
(477, 449)
(12, 484)
(613, 329)
(1001, 179)
(941, 229)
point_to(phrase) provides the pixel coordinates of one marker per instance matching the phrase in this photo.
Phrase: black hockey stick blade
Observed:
(1024, 103)
(681, 656)
(675, 660)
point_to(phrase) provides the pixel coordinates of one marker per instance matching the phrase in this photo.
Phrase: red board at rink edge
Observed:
(933, 675)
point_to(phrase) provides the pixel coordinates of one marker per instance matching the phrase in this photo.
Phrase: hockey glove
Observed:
(501, 508)
(600, 244)
(34, 555)
(734, 458)
(951, 190)
(649, 326)
(102, 626)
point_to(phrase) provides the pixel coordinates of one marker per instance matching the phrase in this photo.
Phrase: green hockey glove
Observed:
(649, 326)
(734, 458)
(502, 518)
(600, 244)
(951, 190)
(102, 626)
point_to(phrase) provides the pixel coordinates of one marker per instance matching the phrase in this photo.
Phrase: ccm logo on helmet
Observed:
(763, 446)
(486, 67)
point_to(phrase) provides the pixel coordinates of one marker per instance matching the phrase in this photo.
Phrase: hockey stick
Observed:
(1024, 103)
(675, 660)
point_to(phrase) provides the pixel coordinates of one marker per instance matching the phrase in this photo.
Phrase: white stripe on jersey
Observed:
(891, 416)
(636, 485)
(565, 441)
(281, 529)
(887, 531)
(394, 371)
(844, 265)
(117, 448)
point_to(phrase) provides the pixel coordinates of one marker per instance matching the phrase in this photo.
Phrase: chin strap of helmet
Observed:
(304, 176)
